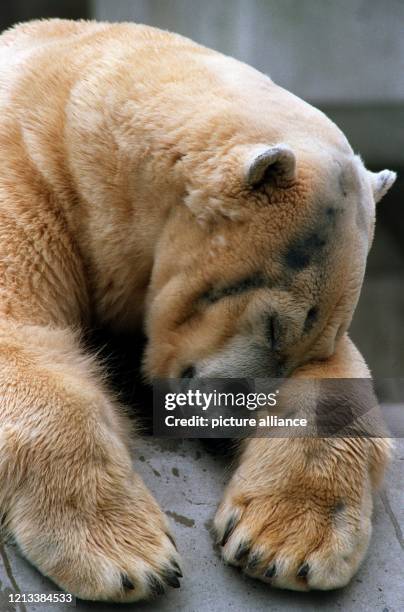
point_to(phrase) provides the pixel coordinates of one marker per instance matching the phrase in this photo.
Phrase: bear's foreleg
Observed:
(69, 497)
(297, 511)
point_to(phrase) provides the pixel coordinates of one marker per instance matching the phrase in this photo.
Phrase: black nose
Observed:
(311, 318)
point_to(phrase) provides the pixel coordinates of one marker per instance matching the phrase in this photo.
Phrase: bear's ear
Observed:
(381, 183)
(267, 165)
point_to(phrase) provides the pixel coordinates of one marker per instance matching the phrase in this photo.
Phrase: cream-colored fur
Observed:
(143, 179)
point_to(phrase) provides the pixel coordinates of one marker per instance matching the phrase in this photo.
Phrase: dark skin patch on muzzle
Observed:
(310, 248)
(303, 251)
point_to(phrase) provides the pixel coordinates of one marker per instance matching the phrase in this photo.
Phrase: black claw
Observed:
(126, 582)
(271, 571)
(229, 529)
(155, 585)
(242, 550)
(253, 561)
(177, 568)
(170, 537)
(303, 571)
(171, 578)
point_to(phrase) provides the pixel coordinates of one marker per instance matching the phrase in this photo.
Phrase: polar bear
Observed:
(147, 181)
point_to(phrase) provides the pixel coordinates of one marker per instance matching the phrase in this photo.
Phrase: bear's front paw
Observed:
(105, 543)
(294, 526)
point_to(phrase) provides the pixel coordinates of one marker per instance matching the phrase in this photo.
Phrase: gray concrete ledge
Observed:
(188, 482)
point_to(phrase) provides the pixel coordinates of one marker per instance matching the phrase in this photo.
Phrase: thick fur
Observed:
(124, 200)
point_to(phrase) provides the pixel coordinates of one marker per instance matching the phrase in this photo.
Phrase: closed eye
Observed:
(249, 283)
(274, 332)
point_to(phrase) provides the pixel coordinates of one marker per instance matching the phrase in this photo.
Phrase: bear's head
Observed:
(260, 266)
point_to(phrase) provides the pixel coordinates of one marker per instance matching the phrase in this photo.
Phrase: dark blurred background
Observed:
(345, 57)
